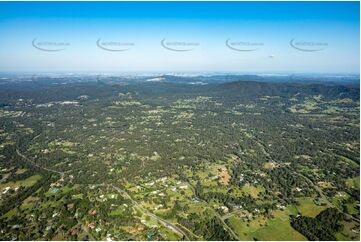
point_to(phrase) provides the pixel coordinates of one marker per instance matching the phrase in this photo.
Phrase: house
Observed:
(183, 187)
(91, 226)
(6, 189)
(224, 209)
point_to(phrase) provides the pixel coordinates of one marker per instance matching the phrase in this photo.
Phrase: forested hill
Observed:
(240, 90)
(250, 89)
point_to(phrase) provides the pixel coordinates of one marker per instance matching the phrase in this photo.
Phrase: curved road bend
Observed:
(124, 193)
(317, 188)
(324, 197)
(162, 221)
(36, 165)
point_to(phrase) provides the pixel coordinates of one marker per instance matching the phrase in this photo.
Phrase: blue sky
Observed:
(330, 29)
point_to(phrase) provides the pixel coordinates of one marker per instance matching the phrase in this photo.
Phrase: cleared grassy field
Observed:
(349, 231)
(252, 190)
(28, 182)
(278, 228)
(308, 208)
(29, 202)
(354, 182)
(244, 230)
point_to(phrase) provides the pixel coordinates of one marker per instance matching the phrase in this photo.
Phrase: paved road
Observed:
(162, 221)
(324, 197)
(124, 193)
(317, 188)
(227, 216)
(219, 217)
(226, 225)
(34, 164)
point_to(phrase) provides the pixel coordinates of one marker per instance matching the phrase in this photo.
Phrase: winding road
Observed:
(162, 221)
(123, 193)
(36, 165)
(315, 187)
(325, 198)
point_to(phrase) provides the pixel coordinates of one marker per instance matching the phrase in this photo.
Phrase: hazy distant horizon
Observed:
(178, 73)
